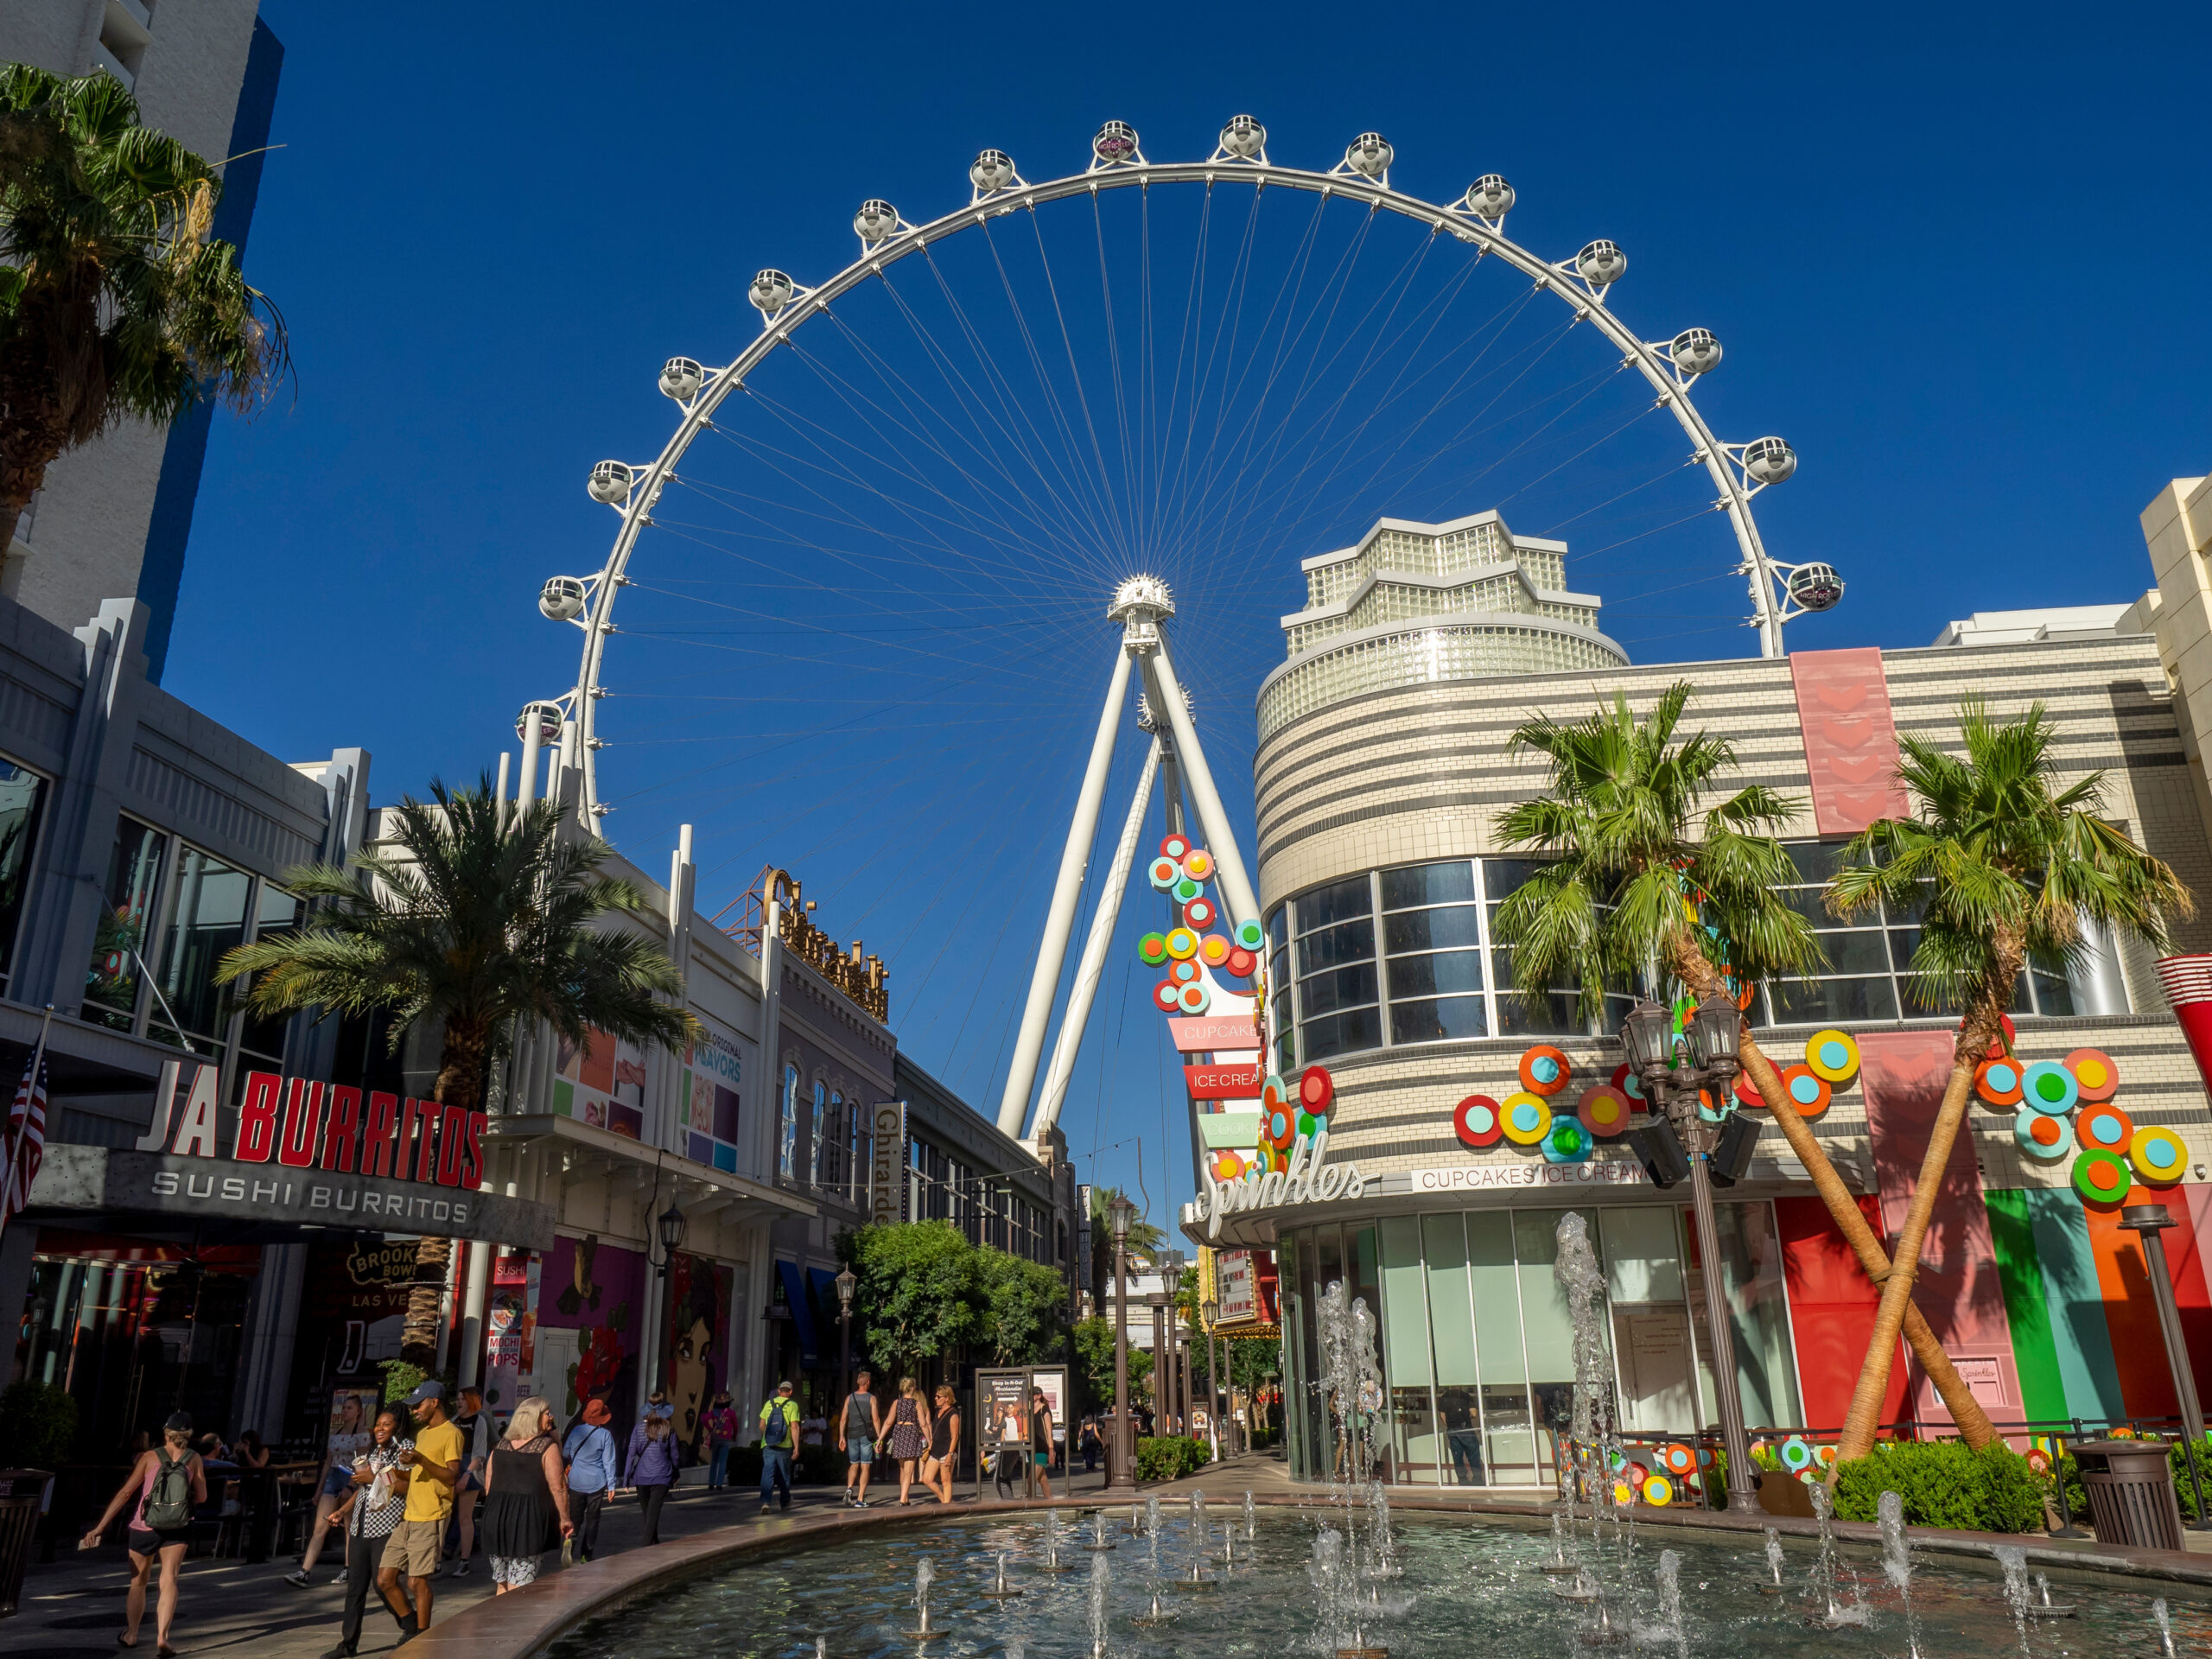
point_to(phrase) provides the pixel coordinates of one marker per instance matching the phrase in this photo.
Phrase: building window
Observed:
(22, 799)
(1332, 951)
(261, 1041)
(857, 1158)
(787, 1127)
(207, 918)
(1431, 937)
(134, 877)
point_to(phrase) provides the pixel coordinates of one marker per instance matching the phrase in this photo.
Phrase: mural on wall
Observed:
(602, 1083)
(512, 1326)
(694, 1360)
(601, 1297)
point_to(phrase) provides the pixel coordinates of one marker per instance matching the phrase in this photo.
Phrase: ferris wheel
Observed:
(903, 506)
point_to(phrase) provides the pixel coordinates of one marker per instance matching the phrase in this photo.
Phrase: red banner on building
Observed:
(1240, 1082)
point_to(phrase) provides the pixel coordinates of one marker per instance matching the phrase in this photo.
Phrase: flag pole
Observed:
(15, 1130)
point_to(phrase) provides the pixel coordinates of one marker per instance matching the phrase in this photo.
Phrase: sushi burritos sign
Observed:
(1311, 1179)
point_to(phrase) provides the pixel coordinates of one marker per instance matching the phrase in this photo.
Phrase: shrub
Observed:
(38, 1424)
(2185, 1489)
(1943, 1484)
(1171, 1457)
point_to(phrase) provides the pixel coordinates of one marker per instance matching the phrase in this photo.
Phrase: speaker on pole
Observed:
(1659, 1149)
(1733, 1156)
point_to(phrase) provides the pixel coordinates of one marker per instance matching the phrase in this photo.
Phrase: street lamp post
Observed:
(1209, 1312)
(1121, 1477)
(1716, 1033)
(847, 1282)
(2146, 1221)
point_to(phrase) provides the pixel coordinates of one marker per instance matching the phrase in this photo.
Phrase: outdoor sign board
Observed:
(887, 1175)
(1001, 1415)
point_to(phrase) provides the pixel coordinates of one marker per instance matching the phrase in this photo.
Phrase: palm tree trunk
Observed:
(461, 1072)
(1692, 965)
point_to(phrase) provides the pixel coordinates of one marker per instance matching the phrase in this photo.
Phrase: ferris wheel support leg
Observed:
(1093, 964)
(1236, 885)
(1059, 920)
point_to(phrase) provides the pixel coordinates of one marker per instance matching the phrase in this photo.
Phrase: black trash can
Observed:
(20, 1491)
(2130, 1492)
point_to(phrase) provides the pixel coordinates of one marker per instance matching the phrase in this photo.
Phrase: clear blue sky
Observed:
(1958, 256)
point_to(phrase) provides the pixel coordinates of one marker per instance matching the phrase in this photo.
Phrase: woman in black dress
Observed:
(945, 1445)
(526, 1497)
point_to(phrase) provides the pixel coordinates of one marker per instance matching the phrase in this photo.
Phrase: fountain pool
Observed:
(1463, 1587)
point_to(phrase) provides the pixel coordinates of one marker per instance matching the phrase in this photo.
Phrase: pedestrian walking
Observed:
(378, 1476)
(167, 1482)
(909, 1436)
(592, 1471)
(526, 1497)
(433, 1464)
(347, 1440)
(477, 1437)
(1040, 1439)
(720, 1426)
(862, 1422)
(945, 1445)
(778, 1443)
(650, 1468)
(1090, 1445)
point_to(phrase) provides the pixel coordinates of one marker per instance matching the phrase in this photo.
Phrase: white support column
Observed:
(480, 1252)
(1060, 919)
(1236, 885)
(1087, 973)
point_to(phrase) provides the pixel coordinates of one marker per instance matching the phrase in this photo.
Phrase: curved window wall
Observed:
(1477, 1349)
(1423, 656)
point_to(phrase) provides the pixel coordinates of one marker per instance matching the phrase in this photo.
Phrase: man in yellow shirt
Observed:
(432, 1470)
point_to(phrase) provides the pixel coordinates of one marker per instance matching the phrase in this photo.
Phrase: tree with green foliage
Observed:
(1093, 1342)
(1025, 1313)
(920, 1294)
(115, 302)
(478, 918)
(1628, 841)
(2006, 869)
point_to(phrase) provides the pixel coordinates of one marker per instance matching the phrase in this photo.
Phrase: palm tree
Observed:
(1627, 853)
(480, 921)
(2005, 869)
(1144, 1240)
(115, 302)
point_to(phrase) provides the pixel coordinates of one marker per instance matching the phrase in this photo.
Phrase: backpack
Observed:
(779, 1431)
(168, 1501)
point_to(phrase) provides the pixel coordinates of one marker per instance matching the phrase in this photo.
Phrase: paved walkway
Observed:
(74, 1605)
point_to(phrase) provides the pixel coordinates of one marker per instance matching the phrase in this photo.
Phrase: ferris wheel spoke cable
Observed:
(1655, 478)
(1596, 443)
(1132, 484)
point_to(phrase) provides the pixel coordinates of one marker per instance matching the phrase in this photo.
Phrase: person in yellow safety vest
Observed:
(779, 1444)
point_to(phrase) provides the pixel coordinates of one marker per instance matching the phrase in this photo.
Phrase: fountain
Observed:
(1099, 1581)
(2165, 1627)
(1251, 1520)
(1001, 1591)
(1052, 1563)
(2044, 1607)
(1158, 1616)
(1669, 1580)
(1559, 1565)
(2014, 1560)
(1773, 1564)
(1099, 1542)
(1897, 1564)
(1195, 1537)
(821, 1647)
(925, 1575)
(1836, 1616)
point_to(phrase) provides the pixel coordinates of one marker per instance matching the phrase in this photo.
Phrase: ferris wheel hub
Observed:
(1141, 598)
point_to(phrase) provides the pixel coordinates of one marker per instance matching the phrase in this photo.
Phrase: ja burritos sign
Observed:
(1311, 1179)
(317, 1154)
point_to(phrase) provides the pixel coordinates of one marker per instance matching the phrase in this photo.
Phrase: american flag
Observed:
(26, 1141)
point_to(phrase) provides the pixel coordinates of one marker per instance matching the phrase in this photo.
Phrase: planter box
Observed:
(1781, 1494)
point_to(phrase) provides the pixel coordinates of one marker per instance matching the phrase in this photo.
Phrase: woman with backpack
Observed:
(168, 1481)
(651, 1466)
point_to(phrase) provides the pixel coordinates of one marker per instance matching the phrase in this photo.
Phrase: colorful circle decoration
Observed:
(1279, 1129)
(1213, 950)
(1186, 890)
(1168, 996)
(1250, 935)
(1182, 973)
(1182, 943)
(1317, 1091)
(1242, 963)
(1198, 915)
(1831, 1056)
(1746, 1091)
(2104, 1129)
(1165, 873)
(2094, 1074)
(1630, 1084)
(1152, 950)
(2038, 1460)
(1658, 1491)
(1273, 1092)
(1795, 1455)
(2050, 1087)
(1824, 1456)
(2007, 1044)
(1806, 1088)
(1197, 864)
(1603, 1111)
(1998, 1082)
(1527, 1116)
(1174, 846)
(2100, 1177)
(1624, 1494)
(1195, 999)
(1679, 1458)
(2158, 1155)
(2042, 1137)
(1567, 1141)
(1309, 1126)
(1476, 1121)
(1544, 1069)
(1711, 1110)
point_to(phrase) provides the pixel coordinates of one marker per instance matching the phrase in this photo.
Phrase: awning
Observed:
(802, 1306)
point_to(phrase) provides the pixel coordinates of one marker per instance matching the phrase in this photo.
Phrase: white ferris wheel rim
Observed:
(1724, 462)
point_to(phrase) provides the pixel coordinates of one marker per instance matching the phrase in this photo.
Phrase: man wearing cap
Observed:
(778, 1441)
(433, 1469)
(592, 1470)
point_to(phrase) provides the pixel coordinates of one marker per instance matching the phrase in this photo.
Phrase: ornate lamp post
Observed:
(1210, 1312)
(1714, 1034)
(848, 1282)
(1176, 1399)
(2146, 1221)
(1120, 1476)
